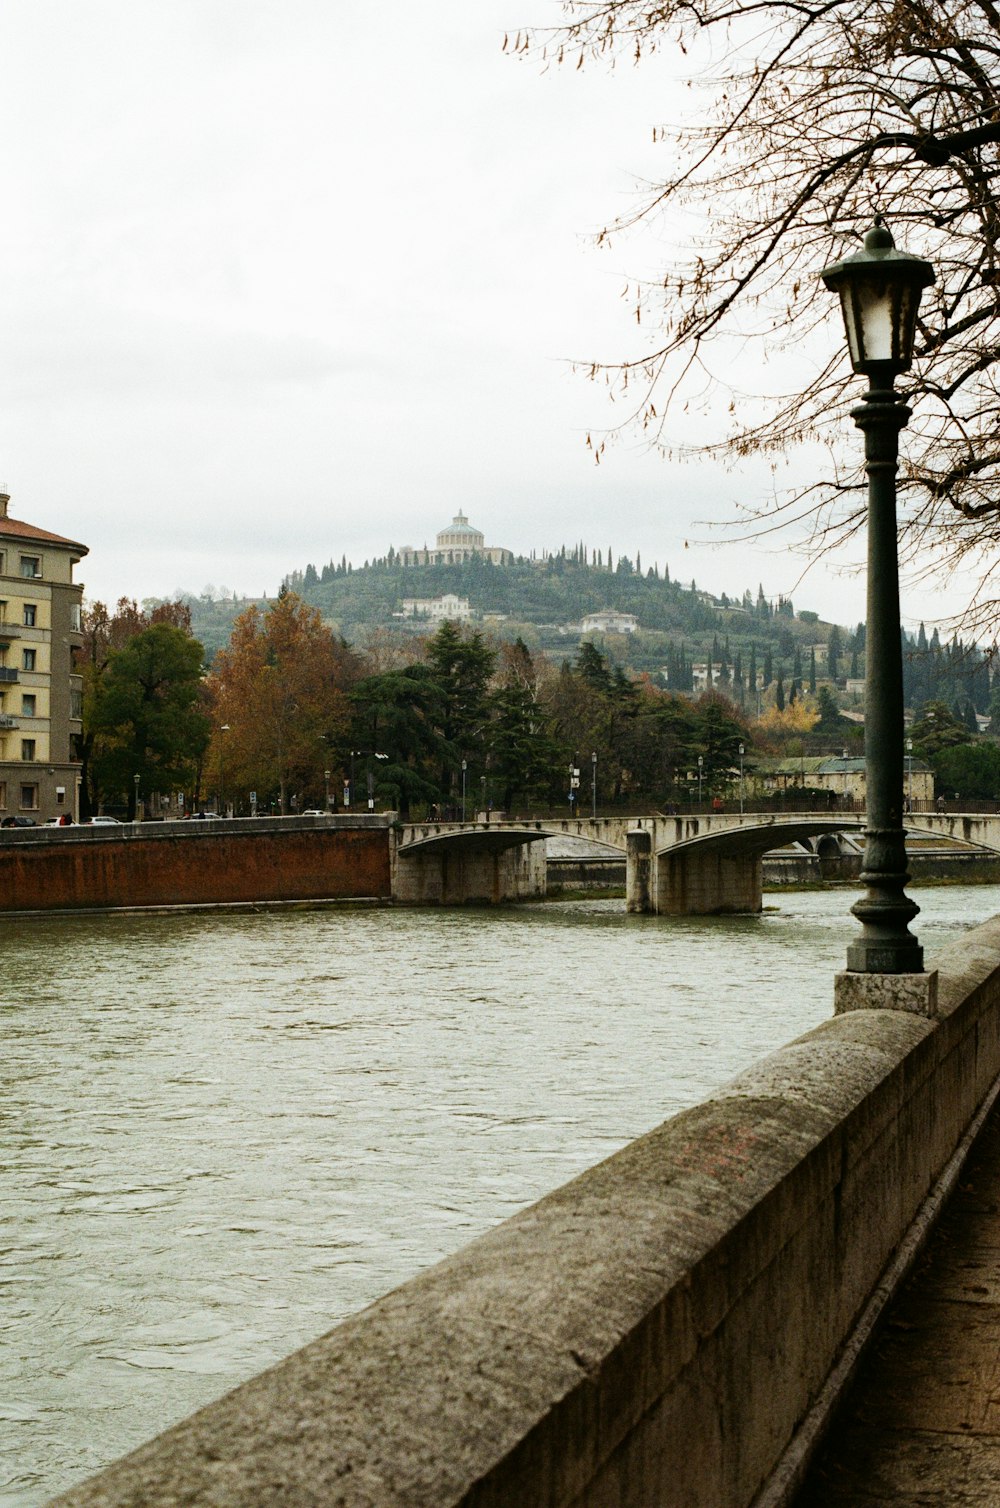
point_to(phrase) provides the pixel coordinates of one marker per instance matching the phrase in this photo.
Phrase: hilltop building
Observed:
(456, 543)
(41, 692)
(608, 621)
(447, 608)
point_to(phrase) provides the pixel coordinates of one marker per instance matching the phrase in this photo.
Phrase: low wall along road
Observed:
(196, 863)
(669, 1330)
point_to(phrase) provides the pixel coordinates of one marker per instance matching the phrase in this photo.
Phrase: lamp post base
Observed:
(886, 945)
(916, 993)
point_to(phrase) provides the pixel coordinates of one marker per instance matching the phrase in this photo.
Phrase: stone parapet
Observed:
(195, 863)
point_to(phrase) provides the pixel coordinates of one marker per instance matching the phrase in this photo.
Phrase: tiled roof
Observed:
(15, 528)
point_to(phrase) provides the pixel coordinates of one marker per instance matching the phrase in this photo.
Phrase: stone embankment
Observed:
(248, 861)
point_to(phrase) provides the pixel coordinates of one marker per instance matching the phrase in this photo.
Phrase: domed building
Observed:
(457, 542)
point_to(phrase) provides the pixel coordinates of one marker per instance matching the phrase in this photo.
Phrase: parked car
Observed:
(313, 812)
(18, 822)
(104, 822)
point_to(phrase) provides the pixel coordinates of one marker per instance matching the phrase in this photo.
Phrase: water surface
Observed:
(223, 1131)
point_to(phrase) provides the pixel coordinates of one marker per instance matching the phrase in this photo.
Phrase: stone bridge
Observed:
(678, 865)
(675, 865)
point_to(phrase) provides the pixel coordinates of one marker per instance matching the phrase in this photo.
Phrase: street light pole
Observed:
(909, 774)
(465, 766)
(593, 784)
(135, 814)
(880, 290)
(701, 766)
(742, 752)
(224, 729)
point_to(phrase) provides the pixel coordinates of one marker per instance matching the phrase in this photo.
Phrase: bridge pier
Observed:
(463, 876)
(639, 871)
(707, 882)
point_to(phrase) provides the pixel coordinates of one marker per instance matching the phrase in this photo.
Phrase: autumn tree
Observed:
(809, 119)
(280, 701)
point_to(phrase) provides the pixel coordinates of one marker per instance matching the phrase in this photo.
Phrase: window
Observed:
(75, 702)
(28, 708)
(27, 748)
(31, 566)
(3, 608)
(74, 616)
(30, 613)
(28, 659)
(3, 795)
(29, 798)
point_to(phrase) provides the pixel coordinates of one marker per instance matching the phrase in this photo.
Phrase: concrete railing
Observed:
(660, 1331)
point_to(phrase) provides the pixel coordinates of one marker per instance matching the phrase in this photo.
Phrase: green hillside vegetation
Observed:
(543, 602)
(750, 641)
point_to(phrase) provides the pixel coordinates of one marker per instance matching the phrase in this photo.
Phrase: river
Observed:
(223, 1131)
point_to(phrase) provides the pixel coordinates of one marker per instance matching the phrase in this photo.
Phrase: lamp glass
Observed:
(880, 290)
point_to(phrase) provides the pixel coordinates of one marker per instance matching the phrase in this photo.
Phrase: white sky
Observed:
(283, 280)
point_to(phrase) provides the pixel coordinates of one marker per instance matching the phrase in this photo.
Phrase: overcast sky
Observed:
(281, 282)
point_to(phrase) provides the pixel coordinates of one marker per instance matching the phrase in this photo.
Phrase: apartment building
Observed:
(41, 694)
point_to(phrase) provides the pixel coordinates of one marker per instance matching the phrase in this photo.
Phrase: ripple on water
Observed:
(221, 1132)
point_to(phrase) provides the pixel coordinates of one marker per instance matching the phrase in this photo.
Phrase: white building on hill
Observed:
(456, 543)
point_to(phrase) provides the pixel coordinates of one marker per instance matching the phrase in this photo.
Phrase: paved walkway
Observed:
(922, 1423)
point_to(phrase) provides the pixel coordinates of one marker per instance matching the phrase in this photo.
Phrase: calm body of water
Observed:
(221, 1132)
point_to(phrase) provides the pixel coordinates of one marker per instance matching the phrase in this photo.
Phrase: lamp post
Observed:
(909, 774)
(880, 290)
(135, 814)
(701, 767)
(742, 752)
(465, 766)
(326, 783)
(593, 784)
(224, 729)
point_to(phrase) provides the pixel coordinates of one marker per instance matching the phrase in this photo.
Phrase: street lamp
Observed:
(135, 814)
(326, 783)
(742, 752)
(574, 784)
(224, 728)
(465, 766)
(701, 767)
(880, 290)
(909, 774)
(593, 784)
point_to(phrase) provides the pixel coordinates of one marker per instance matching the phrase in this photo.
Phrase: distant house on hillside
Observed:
(438, 609)
(609, 622)
(456, 543)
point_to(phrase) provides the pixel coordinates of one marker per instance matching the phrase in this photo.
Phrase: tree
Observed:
(398, 714)
(935, 729)
(146, 715)
(281, 691)
(830, 720)
(462, 663)
(853, 107)
(522, 755)
(970, 770)
(104, 634)
(717, 735)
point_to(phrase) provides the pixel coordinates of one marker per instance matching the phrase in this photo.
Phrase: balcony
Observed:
(7, 675)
